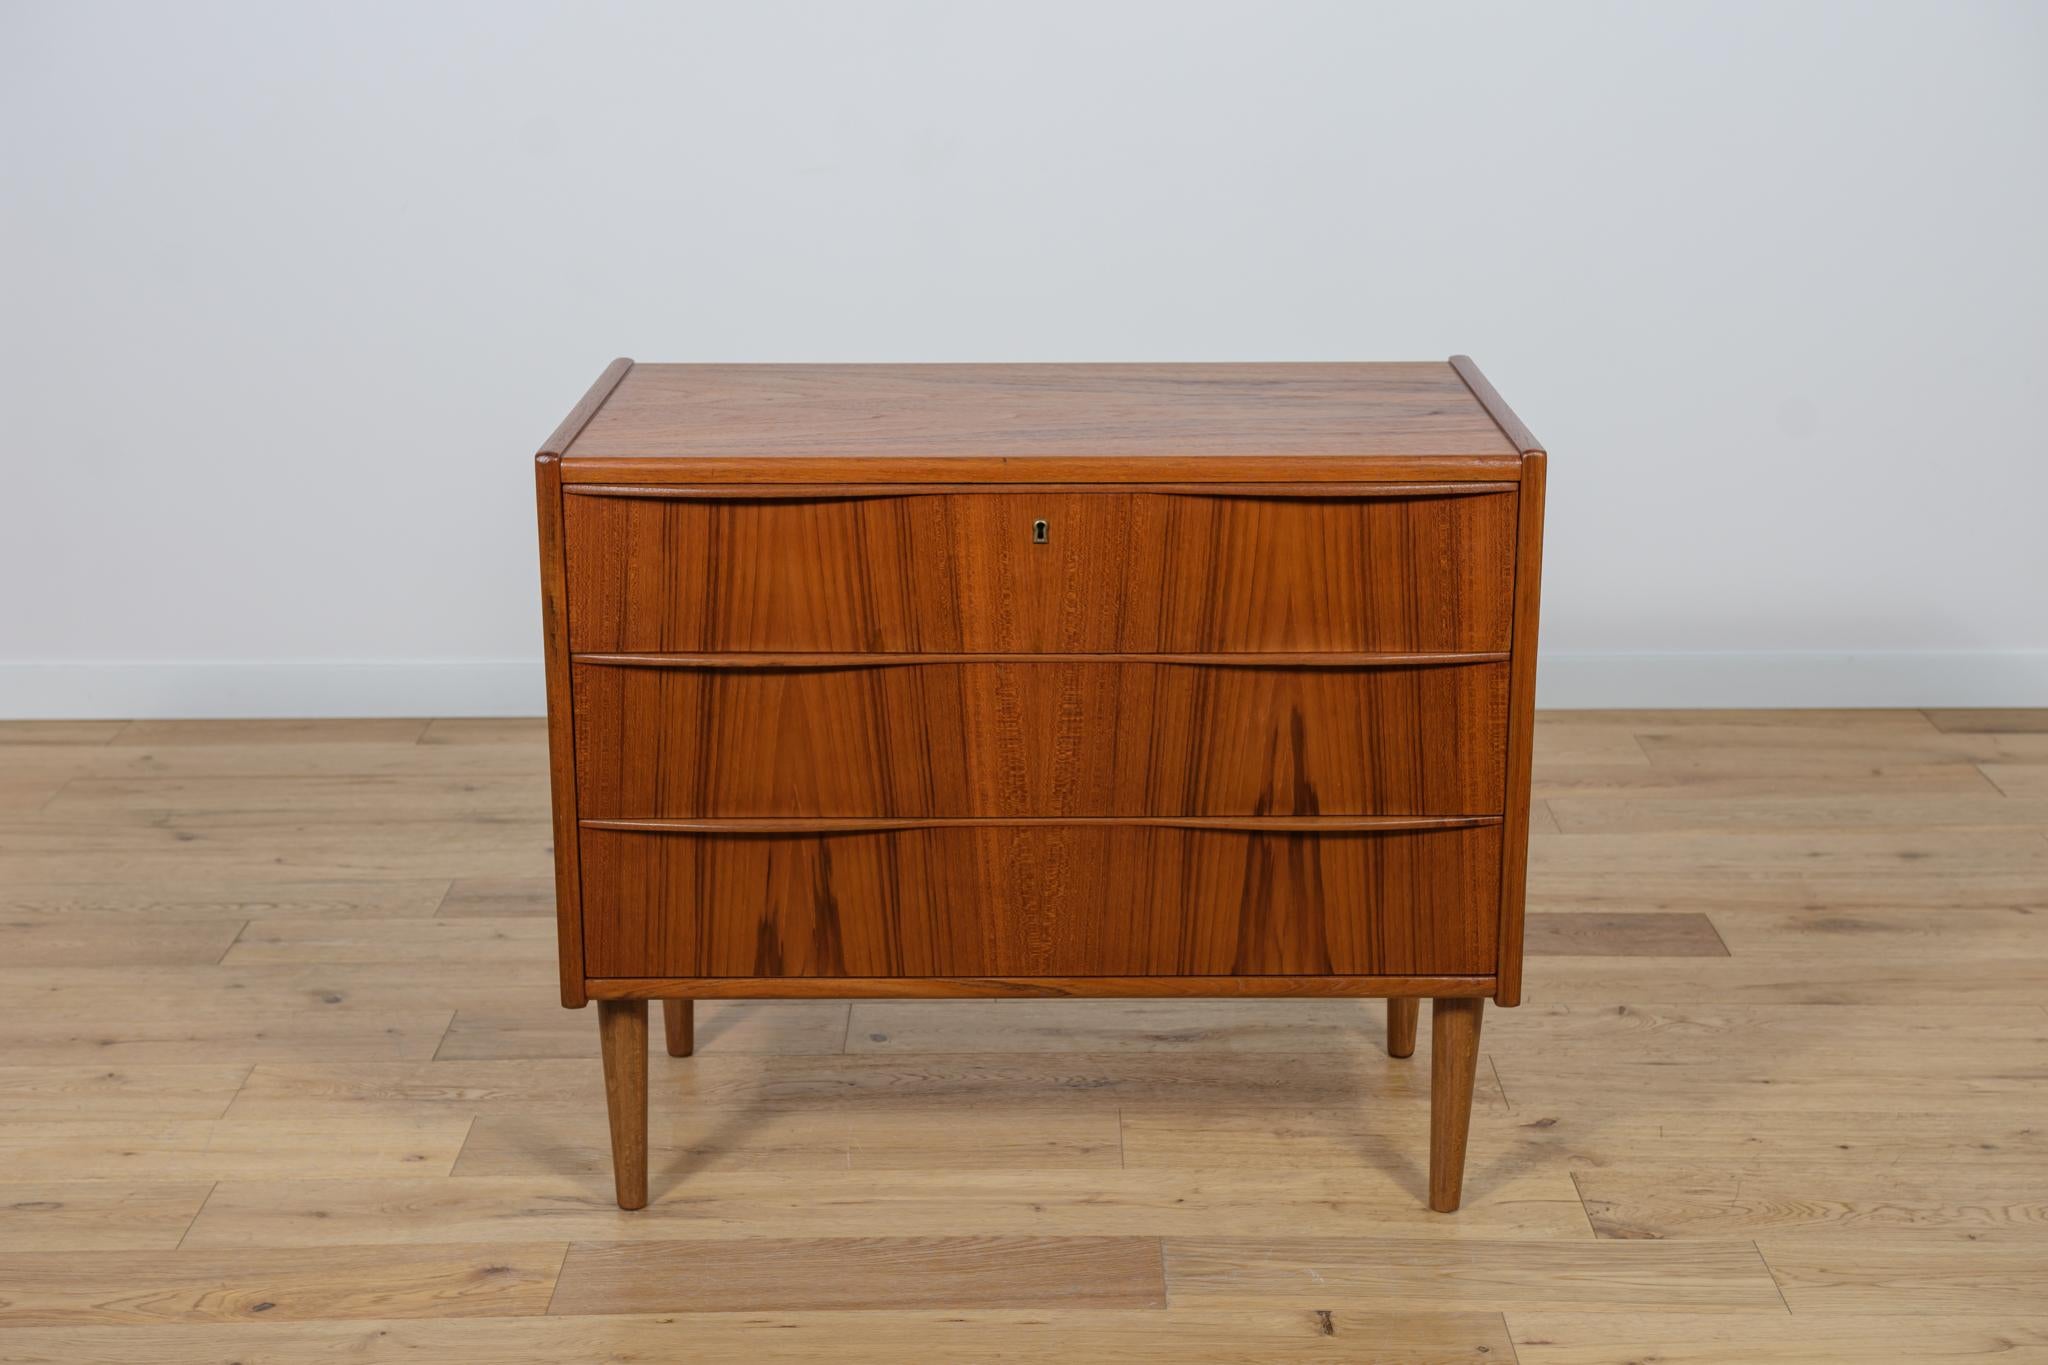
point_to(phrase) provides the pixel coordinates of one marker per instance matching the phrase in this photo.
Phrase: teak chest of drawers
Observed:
(1078, 680)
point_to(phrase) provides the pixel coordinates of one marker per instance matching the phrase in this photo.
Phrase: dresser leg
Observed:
(1454, 1058)
(1401, 1016)
(622, 1025)
(679, 1020)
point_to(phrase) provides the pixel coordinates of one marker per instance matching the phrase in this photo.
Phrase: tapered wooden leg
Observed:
(1454, 1058)
(679, 1019)
(1401, 1016)
(622, 1025)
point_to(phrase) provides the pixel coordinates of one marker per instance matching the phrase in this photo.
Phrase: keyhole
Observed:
(1040, 532)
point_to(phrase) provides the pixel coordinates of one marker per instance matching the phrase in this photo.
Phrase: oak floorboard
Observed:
(1557, 933)
(1036, 1336)
(1545, 1338)
(376, 1098)
(401, 759)
(1650, 1201)
(1998, 1273)
(723, 1204)
(1991, 720)
(27, 794)
(2024, 785)
(493, 896)
(65, 732)
(538, 1027)
(69, 1214)
(273, 1284)
(531, 731)
(1078, 1080)
(861, 1272)
(1568, 1131)
(214, 733)
(67, 938)
(456, 942)
(242, 801)
(1167, 1025)
(163, 901)
(97, 1091)
(683, 1144)
(229, 1149)
(1490, 1276)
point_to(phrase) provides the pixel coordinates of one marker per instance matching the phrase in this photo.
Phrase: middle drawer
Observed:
(1110, 738)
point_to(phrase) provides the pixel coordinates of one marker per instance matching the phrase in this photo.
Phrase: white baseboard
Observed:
(1990, 677)
(187, 691)
(514, 687)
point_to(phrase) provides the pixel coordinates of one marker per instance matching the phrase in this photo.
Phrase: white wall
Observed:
(292, 291)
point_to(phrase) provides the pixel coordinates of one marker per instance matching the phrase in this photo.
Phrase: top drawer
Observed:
(1114, 572)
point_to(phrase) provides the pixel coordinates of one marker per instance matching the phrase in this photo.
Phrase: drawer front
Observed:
(1046, 738)
(1117, 572)
(1047, 900)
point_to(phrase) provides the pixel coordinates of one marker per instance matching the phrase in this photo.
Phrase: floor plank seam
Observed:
(555, 1289)
(1719, 937)
(222, 959)
(446, 1033)
(248, 1073)
(1585, 1210)
(210, 1190)
(462, 1147)
(1757, 1247)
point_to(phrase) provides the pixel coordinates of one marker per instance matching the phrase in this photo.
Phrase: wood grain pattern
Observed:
(1015, 1336)
(1078, 900)
(555, 635)
(1547, 1338)
(1402, 1016)
(679, 1026)
(622, 1026)
(274, 1284)
(1886, 1147)
(1039, 739)
(1663, 934)
(1453, 1061)
(1364, 1271)
(1034, 987)
(863, 1272)
(790, 423)
(1121, 572)
(1514, 871)
(96, 1215)
(1052, 720)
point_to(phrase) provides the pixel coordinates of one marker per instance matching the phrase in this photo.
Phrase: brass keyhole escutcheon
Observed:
(1040, 532)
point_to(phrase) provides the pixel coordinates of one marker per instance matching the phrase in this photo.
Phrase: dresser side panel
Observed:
(561, 730)
(1514, 863)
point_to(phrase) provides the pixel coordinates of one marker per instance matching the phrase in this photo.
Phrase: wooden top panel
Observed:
(864, 422)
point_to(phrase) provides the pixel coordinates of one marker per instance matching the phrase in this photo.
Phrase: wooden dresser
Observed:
(1041, 680)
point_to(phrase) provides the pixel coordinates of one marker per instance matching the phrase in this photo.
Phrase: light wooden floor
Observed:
(281, 1077)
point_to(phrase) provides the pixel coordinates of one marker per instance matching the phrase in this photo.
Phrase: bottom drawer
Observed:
(1040, 900)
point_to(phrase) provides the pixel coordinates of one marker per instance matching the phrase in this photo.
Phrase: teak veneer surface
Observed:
(1040, 900)
(1119, 572)
(1103, 738)
(996, 680)
(686, 412)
